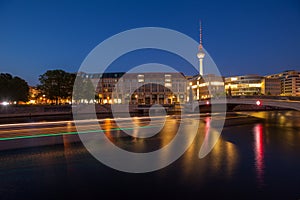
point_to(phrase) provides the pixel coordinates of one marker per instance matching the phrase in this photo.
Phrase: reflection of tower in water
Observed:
(221, 161)
(224, 155)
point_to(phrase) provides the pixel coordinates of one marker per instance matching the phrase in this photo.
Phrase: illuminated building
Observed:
(151, 88)
(251, 85)
(206, 86)
(106, 86)
(271, 86)
(139, 88)
(290, 82)
(243, 85)
(37, 97)
(33, 95)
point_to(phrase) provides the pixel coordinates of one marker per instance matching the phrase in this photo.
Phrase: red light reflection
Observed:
(259, 153)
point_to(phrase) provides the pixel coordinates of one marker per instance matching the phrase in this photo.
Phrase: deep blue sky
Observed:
(243, 37)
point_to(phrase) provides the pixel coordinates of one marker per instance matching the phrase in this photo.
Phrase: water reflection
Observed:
(259, 154)
(107, 126)
(280, 118)
(266, 152)
(67, 141)
(221, 161)
(166, 136)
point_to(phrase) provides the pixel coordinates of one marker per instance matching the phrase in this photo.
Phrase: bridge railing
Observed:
(291, 103)
(294, 98)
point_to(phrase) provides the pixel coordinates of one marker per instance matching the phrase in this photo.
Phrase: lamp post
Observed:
(136, 98)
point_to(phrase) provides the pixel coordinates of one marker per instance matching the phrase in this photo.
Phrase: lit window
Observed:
(140, 78)
(168, 84)
(168, 78)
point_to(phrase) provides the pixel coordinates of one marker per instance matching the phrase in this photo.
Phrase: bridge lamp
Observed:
(258, 102)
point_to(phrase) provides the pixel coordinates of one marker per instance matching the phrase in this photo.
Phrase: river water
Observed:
(250, 160)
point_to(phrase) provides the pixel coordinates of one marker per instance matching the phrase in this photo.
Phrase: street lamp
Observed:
(136, 98)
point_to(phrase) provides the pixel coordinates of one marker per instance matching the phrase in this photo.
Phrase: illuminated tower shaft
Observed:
(201, 53)
(201, 66)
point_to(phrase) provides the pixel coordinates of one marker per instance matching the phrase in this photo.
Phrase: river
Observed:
(250, 160)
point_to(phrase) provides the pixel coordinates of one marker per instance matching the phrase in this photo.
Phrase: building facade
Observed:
(271, 86)
(243, 85)
(171, 87)
(139, 88)
(206, 86)
(252, 85)
(290, 82)
(151, 88)
(106, 85)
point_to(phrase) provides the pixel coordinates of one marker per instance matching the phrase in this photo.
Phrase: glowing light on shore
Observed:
(5, 103)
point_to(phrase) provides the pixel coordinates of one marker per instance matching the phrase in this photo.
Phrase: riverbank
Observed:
(30, 112)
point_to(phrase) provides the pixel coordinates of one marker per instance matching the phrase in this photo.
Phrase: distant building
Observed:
(206, 86)
(290, 82)
(139, 88)
(104, 83)
(151, 88)
(243, 85)
(271, 86)
(106, 86)
(252, 85)
(34, 95)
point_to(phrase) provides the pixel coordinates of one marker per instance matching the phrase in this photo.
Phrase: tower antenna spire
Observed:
(200, 53)
(200, 45)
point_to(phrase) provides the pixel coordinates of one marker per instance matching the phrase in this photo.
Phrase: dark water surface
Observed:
(256, 160)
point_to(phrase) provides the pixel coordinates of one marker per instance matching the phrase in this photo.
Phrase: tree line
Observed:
(54, 84)
(13, 89)
(58, 84)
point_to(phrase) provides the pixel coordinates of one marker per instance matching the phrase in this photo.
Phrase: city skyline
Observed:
(250, 37)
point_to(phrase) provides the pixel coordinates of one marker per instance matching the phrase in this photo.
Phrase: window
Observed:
(168, 78)
(140, 78)
(168, 84)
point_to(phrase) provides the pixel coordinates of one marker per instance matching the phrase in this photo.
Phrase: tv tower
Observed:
(201, 53)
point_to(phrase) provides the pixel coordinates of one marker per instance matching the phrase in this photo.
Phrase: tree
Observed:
(13, 88)
(83, 89)
(56, 84)
(20, 89)
(5, 91)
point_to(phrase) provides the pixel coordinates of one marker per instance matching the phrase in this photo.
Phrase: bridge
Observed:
(262, 101)
(259, 101)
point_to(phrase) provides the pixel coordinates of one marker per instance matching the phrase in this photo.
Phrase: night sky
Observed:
(243, 37)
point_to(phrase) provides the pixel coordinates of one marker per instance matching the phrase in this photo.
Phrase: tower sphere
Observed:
(200, 55)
